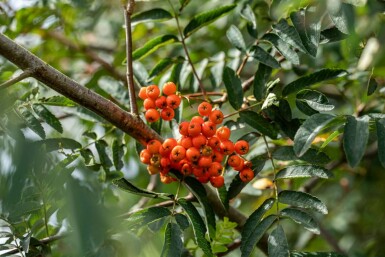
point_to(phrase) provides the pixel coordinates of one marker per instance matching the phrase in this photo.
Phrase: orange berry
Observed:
(183, 128)
(217, 181)
(169, 88)
(168, 145)
(204, 161)
(240, 167)
(192, 154)
(153, 169)
(194, 129)
(186, 142)
(208, 129)
(216, 116)
(204, 178)
(155, 160)
(165, 162)
(167, 114)
(197, 119)
(246, 174)
(145, 156)
(198, 171)
(215, 169)
(149, 103)
(153, 146)
(142, 93)
(248, 164)
(153, 91)
(173, 101)
(217, 156)
(227, 147)
(207, 150)
(234, 160)
(199, 141)
(178, 153)
(165, 179)
(241, 147)
(186, 169)
(152, 115)
(204, 109)
(214, 143)
(161, 102)
(223, 133)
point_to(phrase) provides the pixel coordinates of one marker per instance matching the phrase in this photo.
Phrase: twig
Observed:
(26, 73)
(128, 10)
(43, 241)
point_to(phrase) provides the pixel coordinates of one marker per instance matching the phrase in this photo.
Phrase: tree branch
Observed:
(27, 73)
(64, 85)
(43, 241)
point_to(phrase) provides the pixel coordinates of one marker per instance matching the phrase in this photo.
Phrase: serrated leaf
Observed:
(235, 188)
(236, 39)
(125, 185)
(156, 14)
(160, 67)
(311, 79)
(342, 16)
(117, 154)
(146, 216)
(303, 200)
(311, 101)
(355, 138)
(205, 18)
(253, 221)
(309, 130)
(196, 188)
(264, 57)
(234, 88)
(380, 125)
(289, 34)
(197, 225)
(258, 122)
(250, 242)
(152, 45)
(315, 254)
(313, 156)
(101, 148)
(48, 117)
(58, 101)
(54, 144)
(277, 243)
(173, 245)
(283, 47)
(303, 171)
(302, 218)
(182, 221)
(32, 122)
(261, 78)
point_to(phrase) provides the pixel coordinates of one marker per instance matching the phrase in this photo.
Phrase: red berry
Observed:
(204, 109)
(241, 147)
(217, 181)
(169, 88)
(153, 91)
(167, 114)
(216, 116)
(246, 175)
(161, 102)
(173, 101)
(152, 115)
(142, 93)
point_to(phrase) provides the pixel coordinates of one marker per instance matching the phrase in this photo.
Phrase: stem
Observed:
(26, 73)
(244, 61)
(176, 197)
(243, 109)
(275, 172)
(187, 52)
(129, 74)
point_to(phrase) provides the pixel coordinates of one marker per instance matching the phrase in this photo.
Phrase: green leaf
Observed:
(258, 122)
(160, 67)
(117, 154)
(48, 117)
(101, 147)
(264, 57)
(248, 244)
(289, 35)
(311, 101)
(173, 245)
(182, 221)
(277, 243)
(315, 254)
(152, 45)
(235, 188)
(283, 47)
(90, 134)
(342, 16)
(234, 88)
(330, 138)
(32, 122)
(380, 125)
(146, 216)
(205, 18)
(197, 225)
(253, 221)
(261, 78)
(303, 171)
(372, 86)
(58, 101)
(313, 156)
(236, 39)
(125, 185)
(332, 35)
(248, 14)
(309, 130)
(311, 79)
(196, 188)
(302, 218)
(355, 138)
(156, 14)
(303, 200)
(54, 144)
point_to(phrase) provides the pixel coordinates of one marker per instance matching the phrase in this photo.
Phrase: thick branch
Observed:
(64, 85)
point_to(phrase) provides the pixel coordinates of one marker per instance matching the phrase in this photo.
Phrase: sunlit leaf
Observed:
(342, 15)
(58, 101)
(283, 47)
(277, 243)
(101, 147)
(302, 218)
(264, 57)
(312, 101)
(156, 14)
(303, 200)
(235, 37)
(303, 171)
(146, 216)
(152, 45)
(261, 78)
(32, 122)
(289, 35)
(160, 67)
(259, 123)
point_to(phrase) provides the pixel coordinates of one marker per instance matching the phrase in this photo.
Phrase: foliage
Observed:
(301, 81)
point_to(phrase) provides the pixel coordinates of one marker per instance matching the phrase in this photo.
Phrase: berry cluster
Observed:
(157, 105)
(200, 151)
